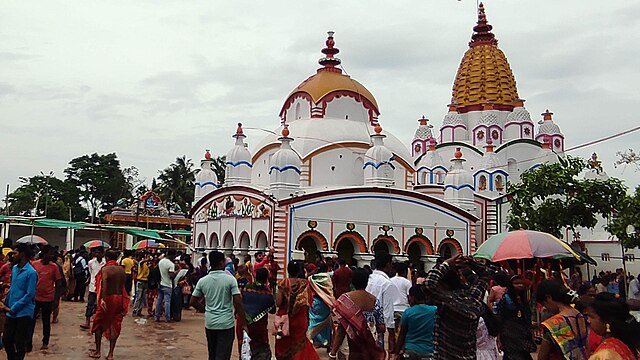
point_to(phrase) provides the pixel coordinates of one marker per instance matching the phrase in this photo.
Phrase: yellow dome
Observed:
(330, 81)
(327, 81)
(484, 75)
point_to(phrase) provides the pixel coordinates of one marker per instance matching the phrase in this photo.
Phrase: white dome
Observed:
(488, 118)
(458, 184)
(206, 179)
(238, 170)
(423, 132)
(519, 114)
(284, 168)
(314, 134)
(548, 127)
(453, 118)
(378, 162)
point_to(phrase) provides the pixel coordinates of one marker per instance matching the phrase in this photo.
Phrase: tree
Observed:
(176, 183)
(553, 196)
(47, 195)
(627, 213)
(220, 168)
(628, 157)
(100, 181)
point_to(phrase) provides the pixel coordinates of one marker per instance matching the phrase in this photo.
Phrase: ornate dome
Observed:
(484, 75)
(547, 125)
(206, 179)
(329, 81)
(378, 167)
(519, 113)
(453, 117)
(423, 132)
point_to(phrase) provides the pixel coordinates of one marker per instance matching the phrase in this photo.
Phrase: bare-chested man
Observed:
(113, 304)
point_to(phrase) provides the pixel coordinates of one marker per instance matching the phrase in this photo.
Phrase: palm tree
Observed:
(176, 183)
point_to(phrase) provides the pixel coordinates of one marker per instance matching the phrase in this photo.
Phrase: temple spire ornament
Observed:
(482, 31)
(329, 61)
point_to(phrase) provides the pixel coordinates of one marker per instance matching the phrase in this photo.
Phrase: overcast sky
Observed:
(152, 80)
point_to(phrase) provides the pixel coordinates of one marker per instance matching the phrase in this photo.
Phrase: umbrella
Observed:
(32, 240)
(524, 244)
(96, 243)
(143, 244)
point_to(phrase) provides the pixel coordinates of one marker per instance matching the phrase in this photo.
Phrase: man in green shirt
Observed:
(220, 290)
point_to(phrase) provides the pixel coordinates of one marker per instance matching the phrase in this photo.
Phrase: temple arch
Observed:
(354, 237)
(202, 242)
(227, 240)
(213, 241)
(244, 242)
(315, 236)
(391, 243)
(449, 247)
(261, 240)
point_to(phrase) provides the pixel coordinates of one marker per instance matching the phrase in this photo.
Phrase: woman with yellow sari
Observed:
(609, 317)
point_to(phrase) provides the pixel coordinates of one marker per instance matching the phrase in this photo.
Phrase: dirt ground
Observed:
(139, 339)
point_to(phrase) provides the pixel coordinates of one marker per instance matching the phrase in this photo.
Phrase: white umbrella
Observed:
(32, 240)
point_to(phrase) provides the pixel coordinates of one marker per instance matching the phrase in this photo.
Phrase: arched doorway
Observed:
(345, 251)
(449, 247)
(381, 247)
(227, 241)
(261, 240)
(310, 248)
(202, 242)
(414, 252)
(244, 241)
(213, 241)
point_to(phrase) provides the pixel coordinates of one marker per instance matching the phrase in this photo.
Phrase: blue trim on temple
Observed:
(377, 166)
(434, 168)
(241, 162)
(459, 187)
(285, 168)
(207, 183)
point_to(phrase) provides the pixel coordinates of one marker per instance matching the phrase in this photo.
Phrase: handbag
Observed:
(281, 321)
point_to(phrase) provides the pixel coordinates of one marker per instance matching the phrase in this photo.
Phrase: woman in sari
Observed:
(609, 317)
(565, 333)
(319, 330)
(293, 300)
(516, 337)
(359, 315)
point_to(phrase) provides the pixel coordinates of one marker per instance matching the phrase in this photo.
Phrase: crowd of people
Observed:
(460, 309)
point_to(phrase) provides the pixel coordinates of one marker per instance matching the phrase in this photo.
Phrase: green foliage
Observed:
(554, 196)
(220, 167)
(48, 195)
(627, 213)
(176, 184)
(100, 181)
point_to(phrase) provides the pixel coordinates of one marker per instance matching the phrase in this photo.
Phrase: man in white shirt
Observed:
(634, 289)
(95, 264)
(381, 287)
(167, 274)
(403, 285)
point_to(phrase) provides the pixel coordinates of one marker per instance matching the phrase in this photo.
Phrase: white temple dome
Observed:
(519, 113)
(206, 180)
(312, 135)
(548, 126)
(238, 161)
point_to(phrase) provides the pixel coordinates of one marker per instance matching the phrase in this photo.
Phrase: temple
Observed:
(330, 180)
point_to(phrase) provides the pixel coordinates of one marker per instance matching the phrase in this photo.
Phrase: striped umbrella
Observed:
(96, 243)
(524, 244)
(144, 244)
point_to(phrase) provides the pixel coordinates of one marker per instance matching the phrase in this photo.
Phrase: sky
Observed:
(153, 80)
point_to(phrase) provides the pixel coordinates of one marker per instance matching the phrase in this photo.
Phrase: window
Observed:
(605, 256)
(630, 257)
(440, 177)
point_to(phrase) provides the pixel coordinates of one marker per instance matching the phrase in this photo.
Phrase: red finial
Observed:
(489, 145)
(458, 154)
(546, 115)
(432, 144)
(482, 31)
(285, 131)
(423, 121)
(239, 129)
(377, 129)
(207, 155)
(330, 61)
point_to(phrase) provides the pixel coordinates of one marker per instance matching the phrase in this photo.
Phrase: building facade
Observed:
(330, 180)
